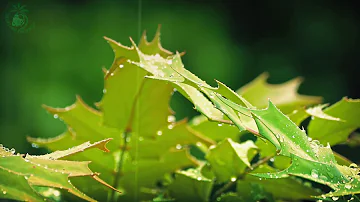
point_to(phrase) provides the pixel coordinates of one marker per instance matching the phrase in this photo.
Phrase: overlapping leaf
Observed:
(310, 159)
(135, 112)
(229, 159)
(285, 188)
(147, 144)
(334, 131)
(191, 185)
(284, 95)
(22, 174)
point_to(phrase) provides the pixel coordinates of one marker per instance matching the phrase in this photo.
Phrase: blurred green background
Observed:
(231, 41)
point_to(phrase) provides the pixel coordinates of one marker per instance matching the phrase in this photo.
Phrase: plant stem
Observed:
(228, 185)
(119, 167)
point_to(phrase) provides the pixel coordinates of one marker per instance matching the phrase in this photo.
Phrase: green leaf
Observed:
(24, 173)
(213, 130)
(229, 159)
(190, 185)
(284, 95)
(286, 188)
(253, 192)
(298, 115)
(335, 131)
(135, 112)
(230, 197)
(310, 159)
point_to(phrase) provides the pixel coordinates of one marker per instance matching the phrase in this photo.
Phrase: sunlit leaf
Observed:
(284, 95)
(229, 159)
(191, 185)
(23, 173)
(135, 112)
(336, 131)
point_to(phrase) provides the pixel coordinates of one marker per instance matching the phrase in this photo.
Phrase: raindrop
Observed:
(293, 136)
(169, 62)
(220, 124)
(233, 179)
(112, 74)
(178, 146)
(56, 116)
(260, 178)
(199, 178)
(121, 66)
(159, 133)
(335, 198)
(141, 138)
(104, 90)
(170, 126)
(171, 118)
(348, 186)
(314, 173)
(323, 177)
(272, 159)
(309, 138)
(12, 151)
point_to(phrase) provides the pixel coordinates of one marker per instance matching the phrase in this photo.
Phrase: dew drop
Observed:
(178, 146)
(12, 151)
(121, 65)
(104, 90)
(260, 178)
(141, 138)
(159, 133)
(309, 138)
(314, 173)
(170, 126)
(272, 159)
(348, 186)
(112, 74)
(199, 178)
(56, 116)
(171, 118)
(220, 124)
(169, 62)
(335, 198)
(233, 179)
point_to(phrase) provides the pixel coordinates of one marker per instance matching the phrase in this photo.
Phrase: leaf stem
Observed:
(119, 166)
(230, 184)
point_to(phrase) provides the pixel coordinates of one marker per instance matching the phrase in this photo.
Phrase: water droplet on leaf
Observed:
(314, 173)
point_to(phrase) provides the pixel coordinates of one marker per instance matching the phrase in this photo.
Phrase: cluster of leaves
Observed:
(213, 157)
